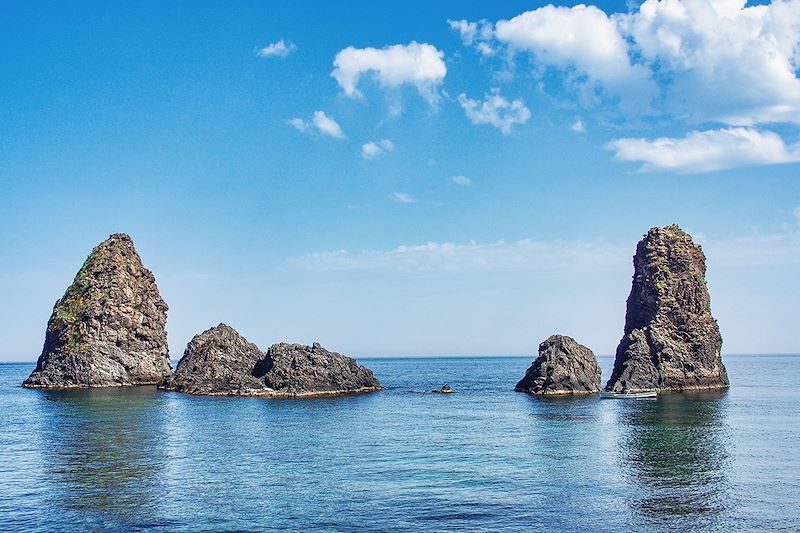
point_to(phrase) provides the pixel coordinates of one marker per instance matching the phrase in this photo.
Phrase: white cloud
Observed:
(693, 60)
(372, 149)
(719, 60)
(320, 123)
(418, 64)
(462, 181)
(403, 198)
(578, 126)
(279, 48)
(521, 256)
(582, 38)
(478, 33)
(705, 151)
(495, 111)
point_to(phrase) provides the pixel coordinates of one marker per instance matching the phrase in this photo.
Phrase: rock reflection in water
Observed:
(98, 444)
(675, 450)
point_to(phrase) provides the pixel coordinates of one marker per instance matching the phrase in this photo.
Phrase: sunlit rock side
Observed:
(671, 341)
(563, 367)
(109, 327)
(220, 362)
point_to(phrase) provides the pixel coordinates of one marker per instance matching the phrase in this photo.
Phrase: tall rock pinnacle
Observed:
(109, 327)
(671, 341)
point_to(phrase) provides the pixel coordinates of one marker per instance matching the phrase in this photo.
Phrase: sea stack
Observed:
(671, 341)
(563, 367)
(109, 327)
(220, 362)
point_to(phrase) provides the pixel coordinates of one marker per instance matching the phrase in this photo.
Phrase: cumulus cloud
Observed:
(694, 60)
(403, 198)
(582, 38)
(495, 111)
(373, 149)
(578, 126)
(319, 123)
(417, 64)
(279, 48)
(705, 151)
(463, 181)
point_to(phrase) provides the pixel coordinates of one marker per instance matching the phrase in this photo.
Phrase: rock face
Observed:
(671, 341)
(220, 361)
(563, 367)
(108, 328)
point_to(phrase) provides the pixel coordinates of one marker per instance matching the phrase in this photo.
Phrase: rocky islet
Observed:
(671, 340)
(563, 367)
(220, 362)
(109, 327)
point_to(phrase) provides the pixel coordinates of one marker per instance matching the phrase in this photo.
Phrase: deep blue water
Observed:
(483, 459)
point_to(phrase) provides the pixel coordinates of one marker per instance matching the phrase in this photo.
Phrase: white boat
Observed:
(648, 395)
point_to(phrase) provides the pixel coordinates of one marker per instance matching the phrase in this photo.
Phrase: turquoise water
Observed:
(483, 459)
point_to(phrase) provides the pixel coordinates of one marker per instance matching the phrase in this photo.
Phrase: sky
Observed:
(434, 178)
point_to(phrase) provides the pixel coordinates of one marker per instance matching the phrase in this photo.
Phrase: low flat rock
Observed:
(109, 327)
(220, 362)
(563, 367)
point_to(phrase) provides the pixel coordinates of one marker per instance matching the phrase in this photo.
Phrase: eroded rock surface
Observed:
(671, 341)
(220, 361)
(109, 327)
(563, 367)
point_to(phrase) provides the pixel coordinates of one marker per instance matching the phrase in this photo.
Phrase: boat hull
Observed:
(649, 395)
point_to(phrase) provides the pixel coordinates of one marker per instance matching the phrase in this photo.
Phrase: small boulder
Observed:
(563, 367)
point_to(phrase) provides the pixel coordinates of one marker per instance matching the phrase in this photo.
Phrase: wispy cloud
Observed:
(578, 126)
(495, 111)
(521, 256)
(319, 123)
(705, 151)
(403, 198)
(374, 149)
(279, 49)
(463, 181)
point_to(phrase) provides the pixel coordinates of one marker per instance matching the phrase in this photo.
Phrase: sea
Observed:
(482, 459)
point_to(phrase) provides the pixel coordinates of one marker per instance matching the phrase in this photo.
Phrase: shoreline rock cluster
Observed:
(109, 330)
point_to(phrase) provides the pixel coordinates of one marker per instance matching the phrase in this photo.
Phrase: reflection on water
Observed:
(675, 450)
(100, 452)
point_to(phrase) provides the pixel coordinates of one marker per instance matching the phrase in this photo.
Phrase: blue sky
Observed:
(439, 178)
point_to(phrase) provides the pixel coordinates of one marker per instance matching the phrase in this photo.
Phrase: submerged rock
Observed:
(563, 367)
(671, 341)
(220, 361)
(109, 327)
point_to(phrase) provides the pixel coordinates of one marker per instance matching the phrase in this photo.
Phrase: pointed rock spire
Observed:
(109, 327)
(671, 341)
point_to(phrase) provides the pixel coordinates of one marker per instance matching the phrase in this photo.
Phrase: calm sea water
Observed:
(483, 459)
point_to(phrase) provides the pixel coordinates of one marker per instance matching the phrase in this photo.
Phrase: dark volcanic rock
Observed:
(217, 361)
(563, 367)
(672, 341)
(108, 328)
(220, 361)
(294, 369)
